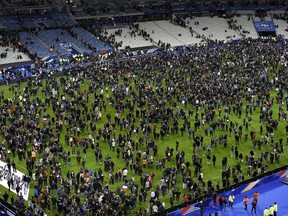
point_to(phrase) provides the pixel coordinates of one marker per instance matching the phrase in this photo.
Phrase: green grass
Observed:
(210, 172)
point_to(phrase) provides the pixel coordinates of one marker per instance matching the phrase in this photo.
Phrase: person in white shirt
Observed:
(155, 208)
(152, 194)
(125, 173)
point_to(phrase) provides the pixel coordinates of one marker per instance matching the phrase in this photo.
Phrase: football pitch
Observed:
(186, 141)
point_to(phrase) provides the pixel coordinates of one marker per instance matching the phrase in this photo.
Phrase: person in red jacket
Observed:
(186, 198)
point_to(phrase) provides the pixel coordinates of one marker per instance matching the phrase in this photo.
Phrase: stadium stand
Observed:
(126, 37)
(247, 26)
(36, 21)
(158, 33)
(182, 34)
(48, 22)
(30, 23)
(115, 26)
(79, 40)
(280, 21)
(35, 45)
(10, 22)
(10, 56)
(63, 43)
(89, 39)
(61, 18)
(213, 28)
(281, 27)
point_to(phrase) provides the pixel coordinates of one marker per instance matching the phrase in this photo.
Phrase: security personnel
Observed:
(266, 212)
(271, 210)
(231, 200)
(275, 208)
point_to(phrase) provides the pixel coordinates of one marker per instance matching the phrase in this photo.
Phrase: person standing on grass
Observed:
(245, 202)
(186, 198)
(124, 173)
(5, 196)
(9, 184)
(12, 200)
(177, 144)
(214, 159)
(171, 200)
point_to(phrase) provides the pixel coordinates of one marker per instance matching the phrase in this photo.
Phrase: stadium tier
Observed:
(62, 43)
(91, 40)
(35, 45)
(10, 23)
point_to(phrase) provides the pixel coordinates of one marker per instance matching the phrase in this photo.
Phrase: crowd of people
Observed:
(130, 105)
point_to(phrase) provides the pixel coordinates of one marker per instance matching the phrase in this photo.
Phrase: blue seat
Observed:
(10, 23)
(91, 40)
(65, 45)
(34, 45)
